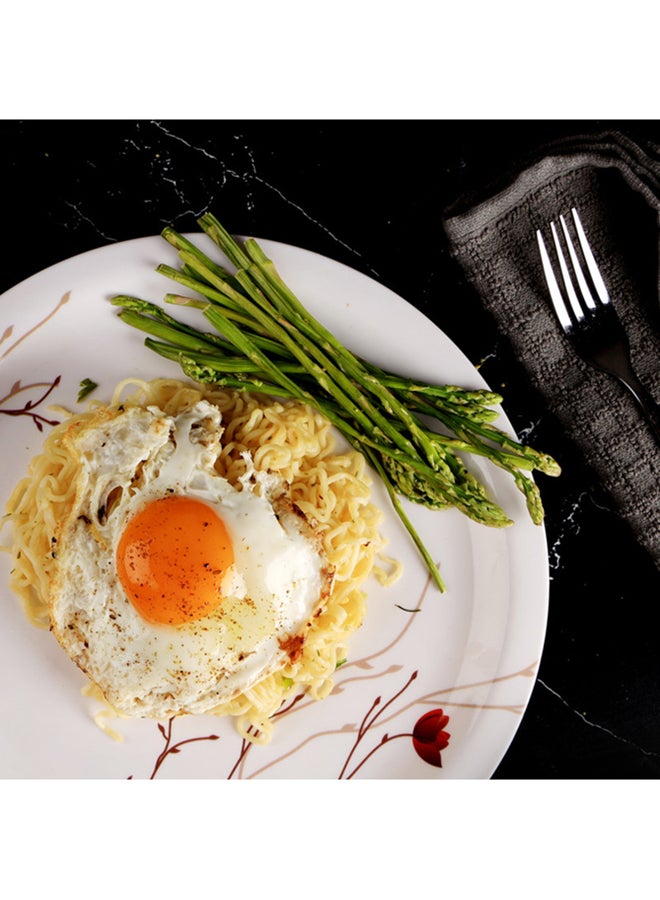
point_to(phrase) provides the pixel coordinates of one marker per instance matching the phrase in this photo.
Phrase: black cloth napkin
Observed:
(615, 186)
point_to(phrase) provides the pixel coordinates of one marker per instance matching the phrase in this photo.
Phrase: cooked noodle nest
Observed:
(287, 440)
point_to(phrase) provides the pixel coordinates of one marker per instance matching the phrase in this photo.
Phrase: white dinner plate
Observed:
(471, 654)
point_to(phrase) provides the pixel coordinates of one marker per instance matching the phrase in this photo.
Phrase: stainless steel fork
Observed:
(586, 313)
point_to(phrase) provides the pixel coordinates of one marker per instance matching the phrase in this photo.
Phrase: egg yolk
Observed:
(171, 559)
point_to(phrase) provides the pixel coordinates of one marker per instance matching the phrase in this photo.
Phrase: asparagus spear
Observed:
(265, 340)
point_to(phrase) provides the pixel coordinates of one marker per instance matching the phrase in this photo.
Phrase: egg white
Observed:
(279, 580)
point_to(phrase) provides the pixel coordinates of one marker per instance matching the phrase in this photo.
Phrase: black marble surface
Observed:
(371, 195)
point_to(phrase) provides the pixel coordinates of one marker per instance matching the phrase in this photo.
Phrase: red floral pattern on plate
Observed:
(429, 736)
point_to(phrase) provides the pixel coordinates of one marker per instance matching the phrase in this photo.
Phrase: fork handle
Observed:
(615, 360)
(649, 408)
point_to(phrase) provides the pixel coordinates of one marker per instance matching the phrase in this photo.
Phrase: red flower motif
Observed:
(429, 737)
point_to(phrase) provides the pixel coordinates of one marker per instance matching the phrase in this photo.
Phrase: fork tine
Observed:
(577, 268)
(568, 284)
(592, 265)
(553, 287)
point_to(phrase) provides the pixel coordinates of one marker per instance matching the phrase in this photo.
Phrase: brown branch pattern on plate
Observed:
(170, 748)
(28, 408)
(10, 329)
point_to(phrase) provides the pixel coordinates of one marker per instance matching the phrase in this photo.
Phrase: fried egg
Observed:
(175, 590)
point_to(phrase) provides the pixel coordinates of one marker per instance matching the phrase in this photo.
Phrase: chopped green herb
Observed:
(86, 387)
